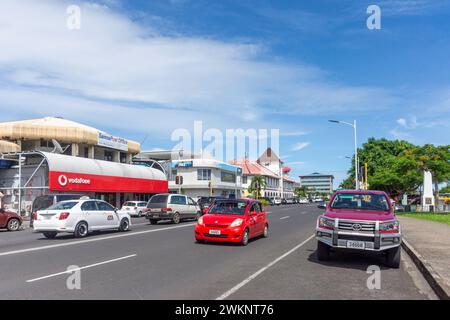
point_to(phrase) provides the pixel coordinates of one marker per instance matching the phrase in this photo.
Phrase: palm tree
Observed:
(257, 184)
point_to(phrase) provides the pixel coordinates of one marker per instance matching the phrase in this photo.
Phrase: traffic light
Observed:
(179, 180)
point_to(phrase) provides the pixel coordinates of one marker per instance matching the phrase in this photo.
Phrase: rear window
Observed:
(229, 207)
(129, 204)
(65, 205)
(360, 201)
(159, 198)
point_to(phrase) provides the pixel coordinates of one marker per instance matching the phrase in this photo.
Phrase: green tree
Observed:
(391, 166)
(258, 183)
(301, 192)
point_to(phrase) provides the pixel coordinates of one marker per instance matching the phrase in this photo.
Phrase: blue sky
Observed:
(141, 69)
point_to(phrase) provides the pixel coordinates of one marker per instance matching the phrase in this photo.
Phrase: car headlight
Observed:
(326, 223)
(236, 223)
(200, 221)
(390, 226)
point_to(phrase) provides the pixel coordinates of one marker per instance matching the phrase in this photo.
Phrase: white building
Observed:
(202, 176)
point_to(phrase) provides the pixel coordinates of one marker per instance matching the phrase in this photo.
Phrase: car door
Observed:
(91, 215)
(2, 218)
(107, 215)
(192, 207)
(252, 221)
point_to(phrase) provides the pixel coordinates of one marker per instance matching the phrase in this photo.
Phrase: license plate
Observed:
(156, 216)
(215, 232)
(355, 244)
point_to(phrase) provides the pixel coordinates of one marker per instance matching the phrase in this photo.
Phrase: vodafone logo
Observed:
(62, 180)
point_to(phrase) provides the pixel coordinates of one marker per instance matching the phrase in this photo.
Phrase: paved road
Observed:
(163, 262)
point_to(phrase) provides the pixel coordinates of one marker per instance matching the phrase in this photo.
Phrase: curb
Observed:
(434, 280)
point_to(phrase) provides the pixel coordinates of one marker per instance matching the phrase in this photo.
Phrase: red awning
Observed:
(68, 174)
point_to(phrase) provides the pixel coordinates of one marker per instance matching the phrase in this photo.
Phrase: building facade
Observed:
(269, 166)
(318, 182)
(52, 156)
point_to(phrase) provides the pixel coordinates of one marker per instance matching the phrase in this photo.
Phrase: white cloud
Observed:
(299, 146)
(112, 58)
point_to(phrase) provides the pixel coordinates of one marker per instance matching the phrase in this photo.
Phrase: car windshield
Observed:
(65, 205)
(229, 207)
(360, 201)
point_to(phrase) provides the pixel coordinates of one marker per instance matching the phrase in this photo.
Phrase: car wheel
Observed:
(81, 230)
(323, 251)
(176, 218)
(152, 221)
(245, 236)
(13, 225)
(393, 257)
(266, 231)
(139, 214)
(124, 225)
(50, 235)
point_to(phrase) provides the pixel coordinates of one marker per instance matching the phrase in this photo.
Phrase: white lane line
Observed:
(257, 273)
(282, 218)
(82, 268)
(72, 243)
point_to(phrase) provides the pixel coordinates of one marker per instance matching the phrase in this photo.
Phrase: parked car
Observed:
(10, 220)
(277, 201)
(399, 208)
(283, 201)
(317, 200)
(290, 201)
(232, 221)
(322, 205)
(175, 207)
(362, 221)
(80, 217)
(134, 208)
(303, 201)
(45, 201)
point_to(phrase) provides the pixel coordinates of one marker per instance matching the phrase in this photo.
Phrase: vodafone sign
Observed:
(68, 181)
(64, 181)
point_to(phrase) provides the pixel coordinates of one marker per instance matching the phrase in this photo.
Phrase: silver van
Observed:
(174, 207)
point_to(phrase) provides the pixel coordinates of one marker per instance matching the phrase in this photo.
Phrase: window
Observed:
(142, 204)
(178, 200)
(159, 198)
(204, 174)
(103, 206)
(256, 208)
(66, 205)
(244, 180)
(129, 204)
(361, 201)
(228, 177)
(229, 207)
(108, 156)
(191, 202)
(89, 206)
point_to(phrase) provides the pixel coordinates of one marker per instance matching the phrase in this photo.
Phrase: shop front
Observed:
(42, 173)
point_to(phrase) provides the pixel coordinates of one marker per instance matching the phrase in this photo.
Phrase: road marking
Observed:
(257, 273)
(82, 268)
(72, 243)
(284, 217)
(304, 212)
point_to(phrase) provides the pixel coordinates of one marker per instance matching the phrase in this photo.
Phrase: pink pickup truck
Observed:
(359, 220)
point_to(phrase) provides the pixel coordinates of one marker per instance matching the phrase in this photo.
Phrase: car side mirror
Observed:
(205, 211)
(116, 209)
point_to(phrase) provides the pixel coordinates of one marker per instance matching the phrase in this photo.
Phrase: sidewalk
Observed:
(429, 241)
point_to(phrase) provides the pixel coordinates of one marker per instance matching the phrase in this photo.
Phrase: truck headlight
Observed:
(236, 223)
(325, 223)
(390, 226)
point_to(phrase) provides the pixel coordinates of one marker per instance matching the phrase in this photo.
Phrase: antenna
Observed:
(57, 147)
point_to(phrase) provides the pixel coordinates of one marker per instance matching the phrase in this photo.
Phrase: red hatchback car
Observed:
(10, 220)
(232, 221)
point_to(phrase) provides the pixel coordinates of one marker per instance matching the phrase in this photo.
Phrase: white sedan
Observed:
(134, 208)
(80, 217)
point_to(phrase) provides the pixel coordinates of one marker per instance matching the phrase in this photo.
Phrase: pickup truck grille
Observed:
(356, 226)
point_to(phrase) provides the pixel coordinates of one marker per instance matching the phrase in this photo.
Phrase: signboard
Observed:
(109, 141)
(183, 164)
(80, 182)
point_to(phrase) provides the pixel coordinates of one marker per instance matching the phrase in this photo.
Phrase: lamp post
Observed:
(353, 125)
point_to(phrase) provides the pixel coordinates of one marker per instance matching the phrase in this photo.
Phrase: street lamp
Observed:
(356, 148)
